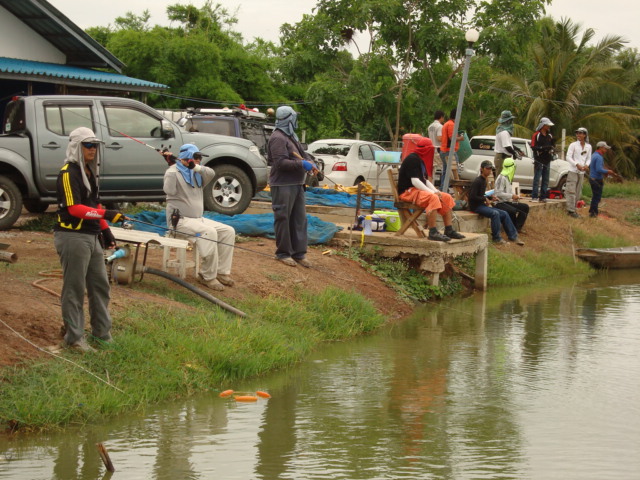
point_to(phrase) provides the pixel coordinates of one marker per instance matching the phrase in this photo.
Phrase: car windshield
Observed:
(329, 148)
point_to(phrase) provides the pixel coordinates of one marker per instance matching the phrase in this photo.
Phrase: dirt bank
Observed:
(35, 314)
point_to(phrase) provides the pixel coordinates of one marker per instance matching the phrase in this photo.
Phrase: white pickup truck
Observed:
(482, 146)
(36, 133)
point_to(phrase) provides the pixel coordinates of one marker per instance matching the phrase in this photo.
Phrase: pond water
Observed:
(522, 384)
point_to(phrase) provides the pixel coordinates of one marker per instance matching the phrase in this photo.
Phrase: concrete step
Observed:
(464, 221)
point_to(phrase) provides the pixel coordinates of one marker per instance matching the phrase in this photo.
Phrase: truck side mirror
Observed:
(167, 130)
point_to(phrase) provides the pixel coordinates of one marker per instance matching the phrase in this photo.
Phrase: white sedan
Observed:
(349, 162)
(482, 147)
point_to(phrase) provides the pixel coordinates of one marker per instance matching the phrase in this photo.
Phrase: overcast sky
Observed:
(262, 18)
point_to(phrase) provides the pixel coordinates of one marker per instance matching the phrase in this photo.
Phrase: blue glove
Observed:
(308, 166)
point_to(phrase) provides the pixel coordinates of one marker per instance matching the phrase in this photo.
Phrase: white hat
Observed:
(603, 144)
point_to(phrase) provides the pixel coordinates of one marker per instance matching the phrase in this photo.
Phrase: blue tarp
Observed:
(333, 198)
(258, 225)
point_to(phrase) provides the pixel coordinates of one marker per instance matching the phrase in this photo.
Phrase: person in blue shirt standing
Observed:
(597, 172)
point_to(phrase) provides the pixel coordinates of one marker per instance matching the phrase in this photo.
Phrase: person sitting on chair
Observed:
(184, 183)
(414, 187)
(507, 200)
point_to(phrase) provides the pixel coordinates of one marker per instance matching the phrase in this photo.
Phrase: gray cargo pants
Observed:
(83, 267)
(289, 221)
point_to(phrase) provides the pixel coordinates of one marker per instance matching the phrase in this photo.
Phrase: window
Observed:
(63, 119)
(206, 125)
(483, 144)
(365, 153)
(14, 120)
(329, 149)
(132, 123)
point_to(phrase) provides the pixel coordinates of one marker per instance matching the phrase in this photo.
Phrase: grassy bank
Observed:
(162, 353)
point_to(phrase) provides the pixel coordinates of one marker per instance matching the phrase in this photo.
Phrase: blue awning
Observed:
(65, 74)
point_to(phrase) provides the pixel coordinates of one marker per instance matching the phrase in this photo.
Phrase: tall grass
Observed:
(165, 353)
(513, 268)
(627, 189)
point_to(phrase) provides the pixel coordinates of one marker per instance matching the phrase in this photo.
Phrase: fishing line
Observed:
(198, 236)
(61, 357)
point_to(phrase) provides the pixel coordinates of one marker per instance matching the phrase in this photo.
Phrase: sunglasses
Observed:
(197, 156)
(89, 145)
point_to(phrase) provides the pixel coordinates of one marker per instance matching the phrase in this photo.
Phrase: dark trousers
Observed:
(596, 188)
(517, 212)
(289, 221)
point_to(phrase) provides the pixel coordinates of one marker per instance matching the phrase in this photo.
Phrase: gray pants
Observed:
(289, 221)
(573, 190)
(83, 268)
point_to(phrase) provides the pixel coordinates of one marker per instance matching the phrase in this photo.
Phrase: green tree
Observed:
(577, 84)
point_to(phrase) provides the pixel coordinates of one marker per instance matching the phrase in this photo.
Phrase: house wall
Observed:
(17, 40)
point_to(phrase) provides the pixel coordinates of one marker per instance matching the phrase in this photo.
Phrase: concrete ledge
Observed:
(433, 256)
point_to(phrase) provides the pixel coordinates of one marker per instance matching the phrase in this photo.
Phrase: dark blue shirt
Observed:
(596, 168)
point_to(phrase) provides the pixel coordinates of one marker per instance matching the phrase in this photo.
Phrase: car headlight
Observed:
(256, 151)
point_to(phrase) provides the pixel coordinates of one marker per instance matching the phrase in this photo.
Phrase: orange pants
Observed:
(428, 200)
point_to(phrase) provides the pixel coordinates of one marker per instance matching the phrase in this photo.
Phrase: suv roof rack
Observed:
(235, 111)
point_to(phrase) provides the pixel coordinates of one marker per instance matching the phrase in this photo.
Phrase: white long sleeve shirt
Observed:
(578, 155)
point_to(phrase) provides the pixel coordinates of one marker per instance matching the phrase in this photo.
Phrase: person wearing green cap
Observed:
(507, 199)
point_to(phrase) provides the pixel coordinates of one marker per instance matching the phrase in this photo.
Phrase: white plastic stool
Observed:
(179, 260)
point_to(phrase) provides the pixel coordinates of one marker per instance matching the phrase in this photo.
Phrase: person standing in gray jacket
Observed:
(289, 167)
(184, 183)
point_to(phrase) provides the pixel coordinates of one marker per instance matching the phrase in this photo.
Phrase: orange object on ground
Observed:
(226, 393)
(245, 398)
(263, 394)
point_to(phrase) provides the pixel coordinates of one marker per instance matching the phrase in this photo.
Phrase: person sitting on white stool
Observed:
(184, 183)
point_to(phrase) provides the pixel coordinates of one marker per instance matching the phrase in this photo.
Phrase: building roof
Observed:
(53, 72)
(81, 50)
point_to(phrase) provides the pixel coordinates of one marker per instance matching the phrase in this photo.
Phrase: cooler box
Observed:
(391, 219)
(409, 143)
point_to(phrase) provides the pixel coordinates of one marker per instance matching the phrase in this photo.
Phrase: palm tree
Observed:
(577, 85)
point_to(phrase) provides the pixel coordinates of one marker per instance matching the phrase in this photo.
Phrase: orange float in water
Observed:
(226, 393)
(263, 394)
(245, 398)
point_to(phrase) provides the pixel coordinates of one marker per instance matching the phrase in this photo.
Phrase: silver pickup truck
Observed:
(36, 133)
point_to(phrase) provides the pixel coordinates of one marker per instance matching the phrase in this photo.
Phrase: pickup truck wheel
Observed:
(229, 192)
(35, 206)
(10, 203)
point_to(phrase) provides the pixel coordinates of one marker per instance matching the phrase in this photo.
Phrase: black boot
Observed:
(451, 233)
(434, 234)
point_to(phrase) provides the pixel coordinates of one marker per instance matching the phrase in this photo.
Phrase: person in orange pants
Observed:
(415, 187)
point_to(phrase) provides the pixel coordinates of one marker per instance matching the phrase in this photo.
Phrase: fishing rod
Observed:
(196, 236)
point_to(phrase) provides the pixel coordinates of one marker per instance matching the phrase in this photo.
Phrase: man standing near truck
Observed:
(80, 233)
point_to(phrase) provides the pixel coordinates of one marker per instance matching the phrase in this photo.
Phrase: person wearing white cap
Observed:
(597, 172)
(184, 183)
(80, 234)
(579, 158)
(542, 143)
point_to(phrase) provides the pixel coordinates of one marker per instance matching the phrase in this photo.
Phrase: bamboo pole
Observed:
(105, 457)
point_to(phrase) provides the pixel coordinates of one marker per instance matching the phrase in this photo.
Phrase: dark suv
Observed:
(234, 122)
(238, 122)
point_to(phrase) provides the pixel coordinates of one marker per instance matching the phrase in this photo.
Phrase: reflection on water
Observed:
(515, 384)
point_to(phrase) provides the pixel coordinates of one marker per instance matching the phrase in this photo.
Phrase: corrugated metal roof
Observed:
(44, 19)
(41, 71)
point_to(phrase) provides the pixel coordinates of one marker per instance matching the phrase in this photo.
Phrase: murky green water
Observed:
(540, 384)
